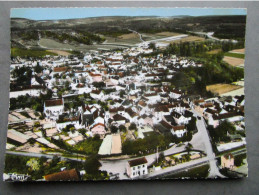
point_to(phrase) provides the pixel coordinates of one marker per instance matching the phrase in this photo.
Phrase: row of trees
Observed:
(81, 37)
(189, 49)
(150, 143)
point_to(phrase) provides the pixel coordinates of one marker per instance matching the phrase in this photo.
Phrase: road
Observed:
(210, 36)
(214, 171)
(176, 168)
(38, 155)
(172, 38)
(119, 166)
(140, 35)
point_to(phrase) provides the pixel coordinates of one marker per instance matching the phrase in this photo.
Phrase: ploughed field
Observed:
(242, 51)
(233, 61)
(60, 52)
(235, 57)
(222, 88)
(189, 39)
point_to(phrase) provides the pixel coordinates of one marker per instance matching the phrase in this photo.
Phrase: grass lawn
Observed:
(197, 172)
(235, 55)
(30, 53)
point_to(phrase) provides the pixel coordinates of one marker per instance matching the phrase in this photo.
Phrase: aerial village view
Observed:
(126, 94)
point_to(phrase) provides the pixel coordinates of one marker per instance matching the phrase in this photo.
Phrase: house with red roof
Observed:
(96, 77)
(227, 161)
(53, 108)
(99, 129)
(179, 131)
(137, 167)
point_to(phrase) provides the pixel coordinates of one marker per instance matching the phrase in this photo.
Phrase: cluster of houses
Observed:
(132, 88)
(143, 101)
(217, 110)
(136, 91)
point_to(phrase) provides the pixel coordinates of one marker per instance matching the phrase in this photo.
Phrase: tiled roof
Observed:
(67, 175)
(96, 91)
(142, 103)
(60, 69)
(98, 124)
(56, 102)
(228, 156)
(118, 117)
(177, 128)
(166, 125)
(138, 161)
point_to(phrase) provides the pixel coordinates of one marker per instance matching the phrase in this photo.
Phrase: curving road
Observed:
(140, 35)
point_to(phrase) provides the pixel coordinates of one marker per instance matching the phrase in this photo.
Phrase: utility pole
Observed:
(157, 154)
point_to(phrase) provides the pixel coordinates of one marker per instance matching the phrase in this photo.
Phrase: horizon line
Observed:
(126, 16)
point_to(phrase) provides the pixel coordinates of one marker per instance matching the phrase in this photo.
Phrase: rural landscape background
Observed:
(127, 97)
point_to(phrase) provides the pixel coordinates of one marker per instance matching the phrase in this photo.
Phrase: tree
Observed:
(114, 129)
(55, 161)
(33, 163)
(99, 84)
(122, 128)
(152, 45)
(82, 131)
(32, 141)
(92, 165)
(96, 137)
(188, 147)
(221, 131)
(23, 75)
(60, 93)
(38, 68)
(122, 93)
(238, 160)
(192, 124)
(56, 76)
(132, 126)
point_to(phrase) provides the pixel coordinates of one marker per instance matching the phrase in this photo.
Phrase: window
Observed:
(144, 172)
(133, 173)
(143, 165)
(138, 167)
(133, 168)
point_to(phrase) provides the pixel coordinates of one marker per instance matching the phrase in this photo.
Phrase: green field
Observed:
(235, 55)
(29, 53)
(197, 172)
(52, 44)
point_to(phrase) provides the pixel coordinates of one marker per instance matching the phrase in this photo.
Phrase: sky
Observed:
(70, 13)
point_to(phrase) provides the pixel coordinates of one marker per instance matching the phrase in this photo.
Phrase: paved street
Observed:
(40, 155)
(208, 147)
(119, 166)
(178, 167)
